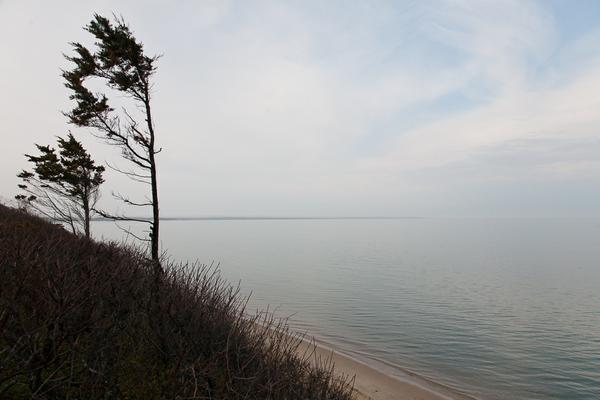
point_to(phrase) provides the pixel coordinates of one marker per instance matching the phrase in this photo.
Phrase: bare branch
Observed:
(121, 218)
(128, 173)
(126, 200)
(129, 232)
(114, 134)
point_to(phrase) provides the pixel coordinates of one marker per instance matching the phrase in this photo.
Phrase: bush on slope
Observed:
(87, 320)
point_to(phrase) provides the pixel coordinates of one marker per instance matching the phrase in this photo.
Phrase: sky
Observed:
(336, 108)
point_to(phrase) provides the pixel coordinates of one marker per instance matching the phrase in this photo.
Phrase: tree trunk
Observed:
(86, 215)
(154, 231)
(155, 212)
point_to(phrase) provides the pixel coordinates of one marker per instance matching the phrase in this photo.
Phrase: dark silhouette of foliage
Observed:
(63, 186)
(78, 320)
(118, 59)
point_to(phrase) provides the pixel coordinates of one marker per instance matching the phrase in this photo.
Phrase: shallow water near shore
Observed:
(497, 308)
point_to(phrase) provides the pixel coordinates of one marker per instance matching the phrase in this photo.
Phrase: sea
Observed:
(494, 308)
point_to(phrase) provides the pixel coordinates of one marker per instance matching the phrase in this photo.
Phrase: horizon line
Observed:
(249, 218)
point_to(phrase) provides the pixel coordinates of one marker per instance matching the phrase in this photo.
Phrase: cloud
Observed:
(528, 111)
(323, 107)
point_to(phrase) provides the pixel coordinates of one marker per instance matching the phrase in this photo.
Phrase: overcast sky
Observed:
(445, 108)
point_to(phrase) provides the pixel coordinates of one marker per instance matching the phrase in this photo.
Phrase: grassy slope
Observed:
(87, 320)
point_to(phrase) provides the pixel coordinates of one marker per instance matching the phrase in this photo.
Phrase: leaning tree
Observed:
(63, 187)
(118, 60)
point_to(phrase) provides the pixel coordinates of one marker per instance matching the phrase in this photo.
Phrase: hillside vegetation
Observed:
(86, 320)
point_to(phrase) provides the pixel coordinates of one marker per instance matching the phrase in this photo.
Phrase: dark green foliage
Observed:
(62, 186)
(79, 172)
(118, 60)
(79, 320)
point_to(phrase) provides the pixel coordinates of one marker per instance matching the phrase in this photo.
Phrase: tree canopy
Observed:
(63, 186)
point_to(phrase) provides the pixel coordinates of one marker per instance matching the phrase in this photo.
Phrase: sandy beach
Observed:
(372, 384)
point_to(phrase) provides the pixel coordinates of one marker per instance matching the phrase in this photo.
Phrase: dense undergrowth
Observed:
(86, 320)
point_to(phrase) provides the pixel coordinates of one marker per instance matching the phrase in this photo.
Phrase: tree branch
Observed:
(126, 200)
(121, 218)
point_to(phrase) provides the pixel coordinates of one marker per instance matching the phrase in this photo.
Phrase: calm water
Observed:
(500, 308)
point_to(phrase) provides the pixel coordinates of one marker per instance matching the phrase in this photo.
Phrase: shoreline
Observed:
(371, 383)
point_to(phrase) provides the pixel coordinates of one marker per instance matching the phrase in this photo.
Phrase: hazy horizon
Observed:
(333, 217)
(447, 108)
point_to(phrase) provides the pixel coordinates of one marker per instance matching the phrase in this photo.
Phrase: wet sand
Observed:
(373, 384)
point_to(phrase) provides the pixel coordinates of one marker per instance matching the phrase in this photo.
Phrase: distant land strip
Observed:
(243, 218)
